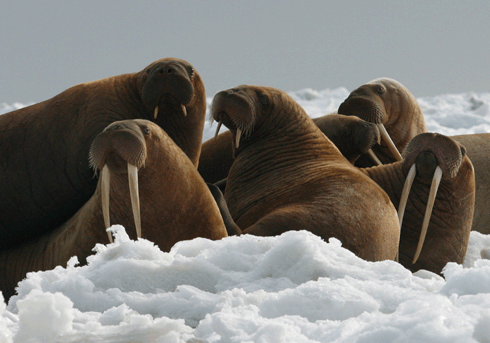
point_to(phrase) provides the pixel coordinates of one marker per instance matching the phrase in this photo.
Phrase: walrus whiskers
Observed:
(105, 185)
(389, 142)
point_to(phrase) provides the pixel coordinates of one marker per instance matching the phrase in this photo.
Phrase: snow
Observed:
(291, 288)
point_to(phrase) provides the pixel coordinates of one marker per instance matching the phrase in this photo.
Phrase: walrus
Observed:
(44, 172)
(351, 135)
(169, 202)
(435, 222)
(386, 101)
(389, 104)
(287, 175)
(433, 165)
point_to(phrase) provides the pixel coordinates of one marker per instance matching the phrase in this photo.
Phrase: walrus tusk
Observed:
(135, 198)
(405, 192)
(237, 138)
(428, 211)
(404, 197)
(155, 114)
(184, 110)
(373, 157)
(387, 139)
(217, 129)
(105, 189)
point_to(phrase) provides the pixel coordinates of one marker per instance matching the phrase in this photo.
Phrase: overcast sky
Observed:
(432, 47)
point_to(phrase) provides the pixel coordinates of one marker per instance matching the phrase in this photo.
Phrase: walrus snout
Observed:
(364, 108)
(447, 152)
(367, 136)
(236, 108)
(168, 85)
(118, 145)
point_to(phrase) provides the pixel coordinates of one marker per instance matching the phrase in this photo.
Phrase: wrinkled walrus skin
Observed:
(287, 175)
(44, 172)
(175, 203)
(351, 135)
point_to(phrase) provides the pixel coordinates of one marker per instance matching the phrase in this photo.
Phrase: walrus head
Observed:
(433, 157)
(381, 101)
(121, 148)
(242, 109)
(352, 135)
(168, 85)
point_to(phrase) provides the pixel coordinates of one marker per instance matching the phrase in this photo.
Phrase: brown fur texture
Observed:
(288, 176)
(351, 135)
(176, 204)
(399, 111)
(451, 220)
(44, 173)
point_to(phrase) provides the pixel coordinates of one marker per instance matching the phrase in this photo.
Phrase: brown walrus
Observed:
(444, 229)
(386, 101)
(287, 175)
(389, 104)
(351, 135)
(175, 202)
(44, 173)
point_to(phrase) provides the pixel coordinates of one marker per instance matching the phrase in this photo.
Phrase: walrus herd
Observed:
(128, 150)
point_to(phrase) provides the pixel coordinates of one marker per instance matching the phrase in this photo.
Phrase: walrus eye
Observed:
(146, 130)
(264, 99)
(380, 89)
(191, 72)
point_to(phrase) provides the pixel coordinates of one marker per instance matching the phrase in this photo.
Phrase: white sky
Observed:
(431, 47)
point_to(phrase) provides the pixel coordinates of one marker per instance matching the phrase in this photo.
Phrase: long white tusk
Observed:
(405, 192)
(105, 179)
(373, 157)
(184, 110)
(135, 198)
(428, 211)
(237, 138)
(404, 197)
(387, 139)
(217, 129)
(155, 114)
